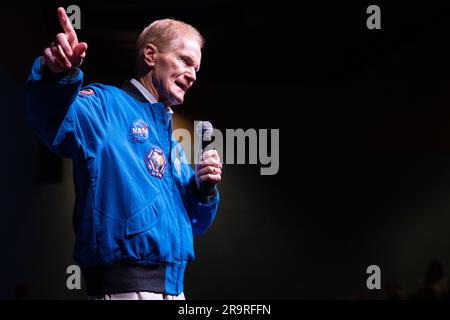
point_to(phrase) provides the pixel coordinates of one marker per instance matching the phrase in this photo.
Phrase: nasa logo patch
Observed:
(87, 92)
(139, 131)
(156, 163)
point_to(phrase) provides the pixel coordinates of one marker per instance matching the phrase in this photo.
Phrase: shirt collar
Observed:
(143, 90)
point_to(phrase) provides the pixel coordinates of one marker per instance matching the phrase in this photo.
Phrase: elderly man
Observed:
(138, 201)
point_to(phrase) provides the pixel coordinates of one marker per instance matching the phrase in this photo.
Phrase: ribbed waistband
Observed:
(158, 278)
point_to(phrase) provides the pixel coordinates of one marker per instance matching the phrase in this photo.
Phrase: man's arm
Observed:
(201, 207)
(202, 210)
(52, 87)
(48, 97)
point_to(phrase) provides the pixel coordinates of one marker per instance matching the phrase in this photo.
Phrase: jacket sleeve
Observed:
(64, 120)
(201, 212)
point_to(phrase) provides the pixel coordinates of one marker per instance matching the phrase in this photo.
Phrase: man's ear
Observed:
(150, 52)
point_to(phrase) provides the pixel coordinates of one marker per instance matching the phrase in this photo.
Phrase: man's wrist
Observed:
(204, 198)
(211, 196)
(49, 74)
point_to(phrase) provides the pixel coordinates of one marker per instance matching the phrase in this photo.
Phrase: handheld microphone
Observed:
(204, 131)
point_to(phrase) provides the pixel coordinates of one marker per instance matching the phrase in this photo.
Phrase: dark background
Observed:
(364, 123)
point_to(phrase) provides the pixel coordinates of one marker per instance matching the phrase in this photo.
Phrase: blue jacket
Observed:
(136, 199)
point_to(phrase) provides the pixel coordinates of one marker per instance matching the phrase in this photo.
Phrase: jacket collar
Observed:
(129, 88)
(135, 89)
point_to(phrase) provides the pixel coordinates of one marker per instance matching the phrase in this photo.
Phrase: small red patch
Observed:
(87, 92)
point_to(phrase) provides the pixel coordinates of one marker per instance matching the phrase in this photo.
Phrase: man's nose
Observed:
(192, 74)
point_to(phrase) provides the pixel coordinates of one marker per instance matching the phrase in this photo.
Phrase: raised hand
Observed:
(65, 53)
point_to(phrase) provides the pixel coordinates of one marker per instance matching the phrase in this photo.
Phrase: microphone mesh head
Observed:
(203, 126)
(204, 130)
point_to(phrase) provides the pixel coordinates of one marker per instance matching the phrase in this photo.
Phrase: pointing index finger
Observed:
(67, 26)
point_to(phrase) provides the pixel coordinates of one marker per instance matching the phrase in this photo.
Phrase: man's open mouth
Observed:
(181, 85)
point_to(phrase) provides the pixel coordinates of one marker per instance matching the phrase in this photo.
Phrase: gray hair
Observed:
(163, 33)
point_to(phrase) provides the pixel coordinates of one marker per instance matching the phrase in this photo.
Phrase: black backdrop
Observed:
(364, 155)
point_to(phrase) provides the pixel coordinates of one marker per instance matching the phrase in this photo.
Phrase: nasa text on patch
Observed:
(139, 131)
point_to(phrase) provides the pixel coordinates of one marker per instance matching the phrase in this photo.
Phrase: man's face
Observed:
(175, 70)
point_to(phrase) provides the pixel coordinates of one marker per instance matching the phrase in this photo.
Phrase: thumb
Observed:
(80, 49)
(79, 52)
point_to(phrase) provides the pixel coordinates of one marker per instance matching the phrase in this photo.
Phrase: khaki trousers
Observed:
(142, 295)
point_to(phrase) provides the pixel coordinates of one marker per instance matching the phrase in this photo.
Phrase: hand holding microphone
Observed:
(207, 171)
